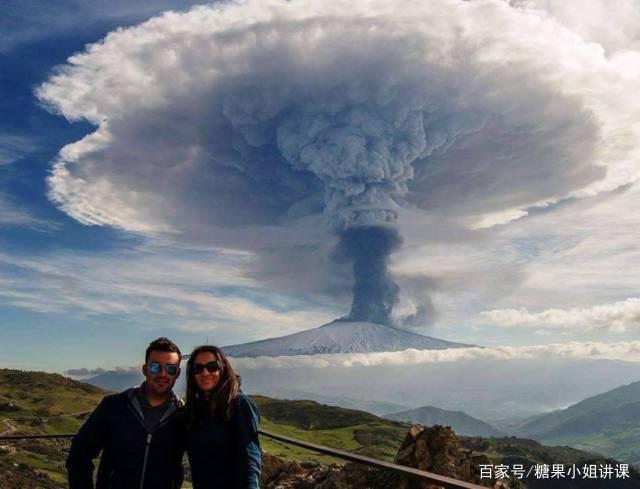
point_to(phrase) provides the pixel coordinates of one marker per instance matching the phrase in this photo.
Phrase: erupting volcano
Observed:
(369, 326)
(312, 139)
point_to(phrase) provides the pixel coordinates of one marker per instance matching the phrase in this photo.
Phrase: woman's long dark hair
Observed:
(219, 403)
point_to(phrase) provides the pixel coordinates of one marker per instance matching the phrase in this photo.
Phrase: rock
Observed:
(280, 474)
(350, 475)
(9, 407)
(437, 449)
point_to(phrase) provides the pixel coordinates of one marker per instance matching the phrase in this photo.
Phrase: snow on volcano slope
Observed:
(340, 336)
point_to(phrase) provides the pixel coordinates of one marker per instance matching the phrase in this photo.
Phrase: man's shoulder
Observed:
(119, 397)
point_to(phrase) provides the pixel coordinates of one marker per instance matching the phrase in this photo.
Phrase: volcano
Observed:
(341, 336)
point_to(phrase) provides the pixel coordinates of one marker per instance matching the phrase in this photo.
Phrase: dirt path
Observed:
(77, 413)
(11, 428)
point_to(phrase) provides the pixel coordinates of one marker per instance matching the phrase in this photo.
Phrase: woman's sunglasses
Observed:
(155, 368)
(211, 367)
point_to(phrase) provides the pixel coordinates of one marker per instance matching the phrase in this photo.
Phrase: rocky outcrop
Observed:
(437, 449)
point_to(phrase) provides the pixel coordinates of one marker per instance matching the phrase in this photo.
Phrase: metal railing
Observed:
(35, 437)
(430, 477)
(441, 480)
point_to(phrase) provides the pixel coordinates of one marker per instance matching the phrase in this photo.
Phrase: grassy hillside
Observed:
(44, 395)
(40, 403)
(462, 423)
(608, 424)
(346, 429)
(545, 424)
(310, 415)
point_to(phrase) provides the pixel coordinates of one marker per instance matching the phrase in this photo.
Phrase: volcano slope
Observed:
(341, 336)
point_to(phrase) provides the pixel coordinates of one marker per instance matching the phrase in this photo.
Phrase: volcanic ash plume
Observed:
(363, 155)
(268, 126)
(374, 291)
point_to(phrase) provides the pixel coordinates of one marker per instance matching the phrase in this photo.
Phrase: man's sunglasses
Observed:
(155, 368)
(212, 367)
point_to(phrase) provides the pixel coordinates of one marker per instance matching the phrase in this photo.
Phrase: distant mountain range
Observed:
(116, 380)
(608, 423)
(341, 336)
(462, 423)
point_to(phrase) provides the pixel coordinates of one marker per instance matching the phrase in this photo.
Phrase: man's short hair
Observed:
(162, 344)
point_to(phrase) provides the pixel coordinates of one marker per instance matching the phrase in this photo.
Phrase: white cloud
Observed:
(611, 23)
(628, 351)
(614, 317)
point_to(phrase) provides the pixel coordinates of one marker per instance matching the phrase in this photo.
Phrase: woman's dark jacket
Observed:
(225, 454)
(132, 458)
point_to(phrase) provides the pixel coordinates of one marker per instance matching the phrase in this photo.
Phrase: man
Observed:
(139, 431)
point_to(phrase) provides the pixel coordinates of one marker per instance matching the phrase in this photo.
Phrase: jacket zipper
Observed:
(144, 463)
(138, 414)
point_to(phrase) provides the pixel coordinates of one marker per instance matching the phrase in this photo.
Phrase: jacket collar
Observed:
(175, 403)
(173, 398)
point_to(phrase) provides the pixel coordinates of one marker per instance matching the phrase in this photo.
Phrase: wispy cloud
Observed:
(188, 290)
(34, 20)
(14, 148)
(13, 214)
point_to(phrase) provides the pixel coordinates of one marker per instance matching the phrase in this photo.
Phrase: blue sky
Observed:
(187, 175)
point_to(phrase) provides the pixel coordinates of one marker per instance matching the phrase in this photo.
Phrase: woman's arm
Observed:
(247, 456)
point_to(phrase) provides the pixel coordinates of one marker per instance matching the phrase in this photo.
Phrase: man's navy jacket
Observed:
(132, 458)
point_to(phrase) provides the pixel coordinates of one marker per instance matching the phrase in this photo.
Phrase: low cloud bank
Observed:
(628, 351)
(83, 372)
(88, 372)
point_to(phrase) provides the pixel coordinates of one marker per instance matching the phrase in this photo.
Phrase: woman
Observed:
(222, 424)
